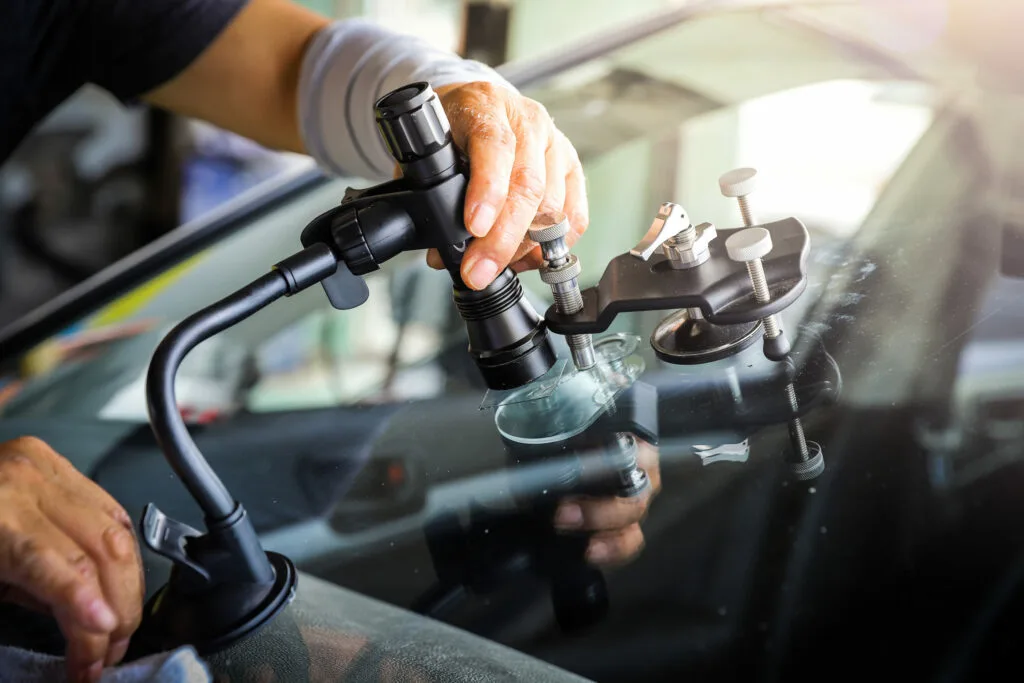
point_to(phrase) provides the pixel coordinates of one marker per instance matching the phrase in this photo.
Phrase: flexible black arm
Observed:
(223, 584)
(170, 430)
(290, 276)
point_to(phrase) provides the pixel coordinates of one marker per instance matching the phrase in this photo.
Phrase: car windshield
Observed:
(363, 445)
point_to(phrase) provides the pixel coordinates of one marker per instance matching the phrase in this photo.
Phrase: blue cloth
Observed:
(177, 666)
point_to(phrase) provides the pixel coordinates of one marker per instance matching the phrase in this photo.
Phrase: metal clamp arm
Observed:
(720, 288)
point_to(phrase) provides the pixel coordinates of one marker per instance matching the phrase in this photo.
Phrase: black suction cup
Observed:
(686, 338)
(212, 620)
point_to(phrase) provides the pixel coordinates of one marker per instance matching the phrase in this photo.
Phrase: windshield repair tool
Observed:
(719, 302)
(223, 585)
(725, 287)
(424, 209)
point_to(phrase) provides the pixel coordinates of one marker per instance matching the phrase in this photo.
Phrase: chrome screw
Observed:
(561, 272)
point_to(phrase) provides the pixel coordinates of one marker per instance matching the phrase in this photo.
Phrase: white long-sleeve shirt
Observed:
(349, 66)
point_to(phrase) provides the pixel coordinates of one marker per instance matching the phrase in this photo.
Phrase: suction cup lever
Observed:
(670, 221)
(168, 537)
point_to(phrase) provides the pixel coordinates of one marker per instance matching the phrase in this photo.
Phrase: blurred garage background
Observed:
(829, 95)
(97, 181)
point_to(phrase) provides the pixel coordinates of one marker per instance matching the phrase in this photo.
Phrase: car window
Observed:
(358, 441)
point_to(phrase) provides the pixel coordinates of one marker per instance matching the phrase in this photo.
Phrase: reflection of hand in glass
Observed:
(615, 522)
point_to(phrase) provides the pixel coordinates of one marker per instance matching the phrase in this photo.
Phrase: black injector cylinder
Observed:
(424, 209)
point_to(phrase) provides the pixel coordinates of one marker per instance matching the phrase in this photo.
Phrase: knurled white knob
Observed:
(748, 245)
(738, 182)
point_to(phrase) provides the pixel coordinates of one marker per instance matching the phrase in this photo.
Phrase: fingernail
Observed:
(598, 551)
(569, 515)
(482, 273)
(482, 219)
(101, 615)
(95, 672)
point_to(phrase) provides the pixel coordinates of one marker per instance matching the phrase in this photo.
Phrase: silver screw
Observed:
(795, 425)
(750, 246)
(808, 462)
(739, 183)
(560, 271)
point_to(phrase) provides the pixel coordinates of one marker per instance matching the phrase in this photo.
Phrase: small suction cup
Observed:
(686, 338)
(565, 406)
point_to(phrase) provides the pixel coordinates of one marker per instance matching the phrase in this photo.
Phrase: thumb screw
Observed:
(807, 461)
(750, 246)
(739, 184)
(560, 272)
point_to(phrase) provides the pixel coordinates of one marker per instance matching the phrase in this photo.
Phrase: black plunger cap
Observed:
(412, 122)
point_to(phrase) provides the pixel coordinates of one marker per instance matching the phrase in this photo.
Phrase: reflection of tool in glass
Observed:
(806, 460)
(567, 443)
(488, 550)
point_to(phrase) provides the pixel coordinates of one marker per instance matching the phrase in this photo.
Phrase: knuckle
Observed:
(502, 136)
(571, 153)
(580, 221)
(488, 129)
(17, 468)
(10, 531)
(29, 444)
(28, 558)
(534, 110)
(506, 242)
(121, 516)
(634, 510)
(84, 567)
(630, 542)
(119, 544)
(528, 185)
(487, 88)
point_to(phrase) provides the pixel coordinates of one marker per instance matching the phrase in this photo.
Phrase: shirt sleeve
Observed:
(136, 45)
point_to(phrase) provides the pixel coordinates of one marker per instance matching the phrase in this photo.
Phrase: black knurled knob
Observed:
(412, 122)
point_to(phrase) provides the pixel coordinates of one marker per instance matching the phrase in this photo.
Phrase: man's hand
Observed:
(520, 164)
(615, 522)
(67, 548)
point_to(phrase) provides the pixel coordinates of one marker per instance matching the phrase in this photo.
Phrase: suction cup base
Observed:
(685, 339)
(813, 467)
(213, 619)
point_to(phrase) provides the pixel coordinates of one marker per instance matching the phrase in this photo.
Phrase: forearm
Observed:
(247, 80)
(291, 79)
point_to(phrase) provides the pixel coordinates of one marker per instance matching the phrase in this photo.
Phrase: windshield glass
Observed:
(363, 446)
